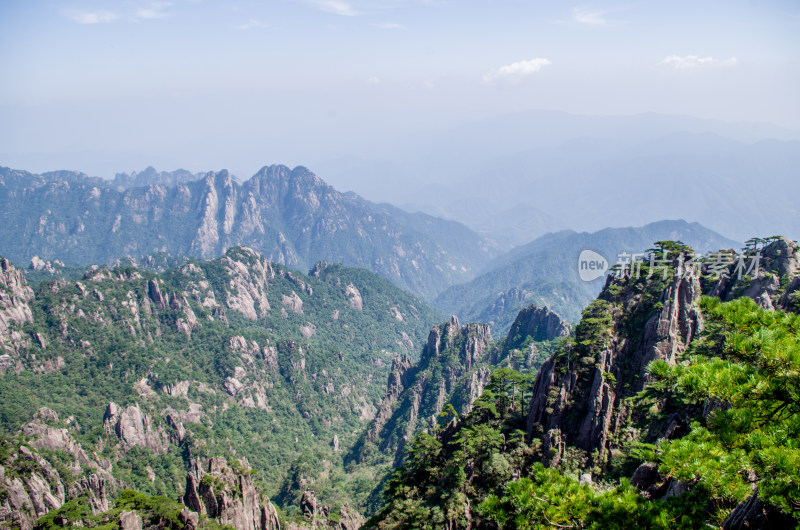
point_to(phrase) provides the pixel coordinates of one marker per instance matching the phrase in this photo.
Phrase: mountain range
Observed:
(295, 219)
(290, 215)
(262, 396)
(545, 271)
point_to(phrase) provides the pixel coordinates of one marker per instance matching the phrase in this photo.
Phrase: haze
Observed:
(389, 98)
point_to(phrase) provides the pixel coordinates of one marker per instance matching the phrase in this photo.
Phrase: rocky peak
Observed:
(249, 277)
(134, 428)
(399, 375)
(471, 340)
(318, 269)
(290, 215)
(151, 177)
(283, 176)
(225, 491)
(448, 371)
(539, 324)
(15, 295)
(161, 300)
(775, 282)
(579, 394)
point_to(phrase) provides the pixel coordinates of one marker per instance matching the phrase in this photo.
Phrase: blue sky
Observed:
(115, 85)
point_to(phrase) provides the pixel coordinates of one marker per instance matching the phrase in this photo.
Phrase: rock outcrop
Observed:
(538, 324)
(581, 395)
(771, 277)
(130, 521)
(249, 276)
(398, 381)
(15, 295)
(134, 428)
(318, 515)
(225, 491)
(449, 371)
(33, 486)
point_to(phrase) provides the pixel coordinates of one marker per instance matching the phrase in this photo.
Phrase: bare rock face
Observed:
(473, 339)
(312, 509)
(293, 302)
(448, 371)
(189, 519)
(290, 215)
(398, 377)
(349, 519)
(317, 515)
(38, 490)
(133, 427)
(95, 488)
(53, 438)
(160, 300)
(177, 389)
(35, 487)
(15, 294)
(130, 521)
(585, 401)
(249, 278)
(225, 491)
(771, 284)
(352, 292)
(397, 383)
(552, 448)
(539, 323)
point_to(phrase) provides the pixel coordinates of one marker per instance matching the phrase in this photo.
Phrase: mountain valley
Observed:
(175, 389)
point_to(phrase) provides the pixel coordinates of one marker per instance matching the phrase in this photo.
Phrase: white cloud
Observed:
(251, 24)
(389, 25)
(593, 18)
(374, 80)
(517, 70)
(138, 11)
(689, 62)
(337, 7)
(153, 10)
(97, 17)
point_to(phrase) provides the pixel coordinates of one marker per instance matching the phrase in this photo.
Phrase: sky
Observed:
(102, 86)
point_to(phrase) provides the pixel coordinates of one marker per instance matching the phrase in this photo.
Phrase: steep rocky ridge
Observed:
(32, 485)
(454, 368)
(775, 283)
(579, 400)
(225, 491)
(291, 216)
(150, 177)
(451, 369)
(579, 393)
(15, 295)
(538, 324)
(617, 440)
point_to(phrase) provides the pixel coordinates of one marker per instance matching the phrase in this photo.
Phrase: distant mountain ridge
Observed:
(289, 215)
(544, 272)
(151, 177)
(587, 172)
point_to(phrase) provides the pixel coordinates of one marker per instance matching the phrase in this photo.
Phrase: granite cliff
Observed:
(289, 215)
